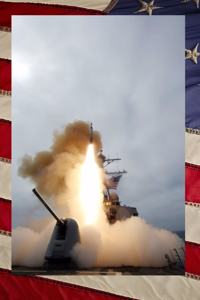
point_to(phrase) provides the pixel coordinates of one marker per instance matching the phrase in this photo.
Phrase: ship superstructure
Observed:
(112, 206)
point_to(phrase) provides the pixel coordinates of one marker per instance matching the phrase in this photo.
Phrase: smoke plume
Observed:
(49, 170)
(56, 174)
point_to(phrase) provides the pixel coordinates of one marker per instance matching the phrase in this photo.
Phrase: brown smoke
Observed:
(49, 169)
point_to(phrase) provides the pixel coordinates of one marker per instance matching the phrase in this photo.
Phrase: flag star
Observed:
(192, 54)
(195, 1)
(148, 7)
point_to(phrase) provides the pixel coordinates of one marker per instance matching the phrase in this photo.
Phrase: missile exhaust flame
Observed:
(90, 187)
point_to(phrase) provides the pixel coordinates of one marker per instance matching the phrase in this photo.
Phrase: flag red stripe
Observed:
(192, 183)
(5, 74)
(192, 258)
(5, 219)
(18, 287)
(8, 9)
(5, 139)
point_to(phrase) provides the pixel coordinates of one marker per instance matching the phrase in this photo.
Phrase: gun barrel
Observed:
(47, 207)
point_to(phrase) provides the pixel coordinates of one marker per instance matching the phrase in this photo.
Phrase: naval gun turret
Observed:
(64, 237)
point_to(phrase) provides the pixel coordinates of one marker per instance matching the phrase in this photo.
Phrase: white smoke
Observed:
(131, 242)
(29, 246)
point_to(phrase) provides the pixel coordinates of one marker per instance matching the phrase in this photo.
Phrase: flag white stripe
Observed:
(5, 180)
(139, 287)
(5, 251)
(91, 4)
(192, 221)
(5, 107)
(192, 148)
(5, 44)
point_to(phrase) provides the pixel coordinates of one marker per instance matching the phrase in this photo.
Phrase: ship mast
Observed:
(108, 161)
(115, 174)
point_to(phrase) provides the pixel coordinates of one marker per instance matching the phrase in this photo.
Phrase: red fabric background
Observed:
(192, 183)
(192, 258)
(5, 220)
(5, 74)
(5, 139)
(17, 287)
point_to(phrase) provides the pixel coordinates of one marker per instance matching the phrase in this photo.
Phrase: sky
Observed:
(123, 73)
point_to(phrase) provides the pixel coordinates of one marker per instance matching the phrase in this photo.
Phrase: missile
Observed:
(91, 133)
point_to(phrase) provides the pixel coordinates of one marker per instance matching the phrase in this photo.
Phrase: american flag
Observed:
(105, 287)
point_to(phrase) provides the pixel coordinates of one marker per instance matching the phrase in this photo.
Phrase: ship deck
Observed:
(100, 271)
